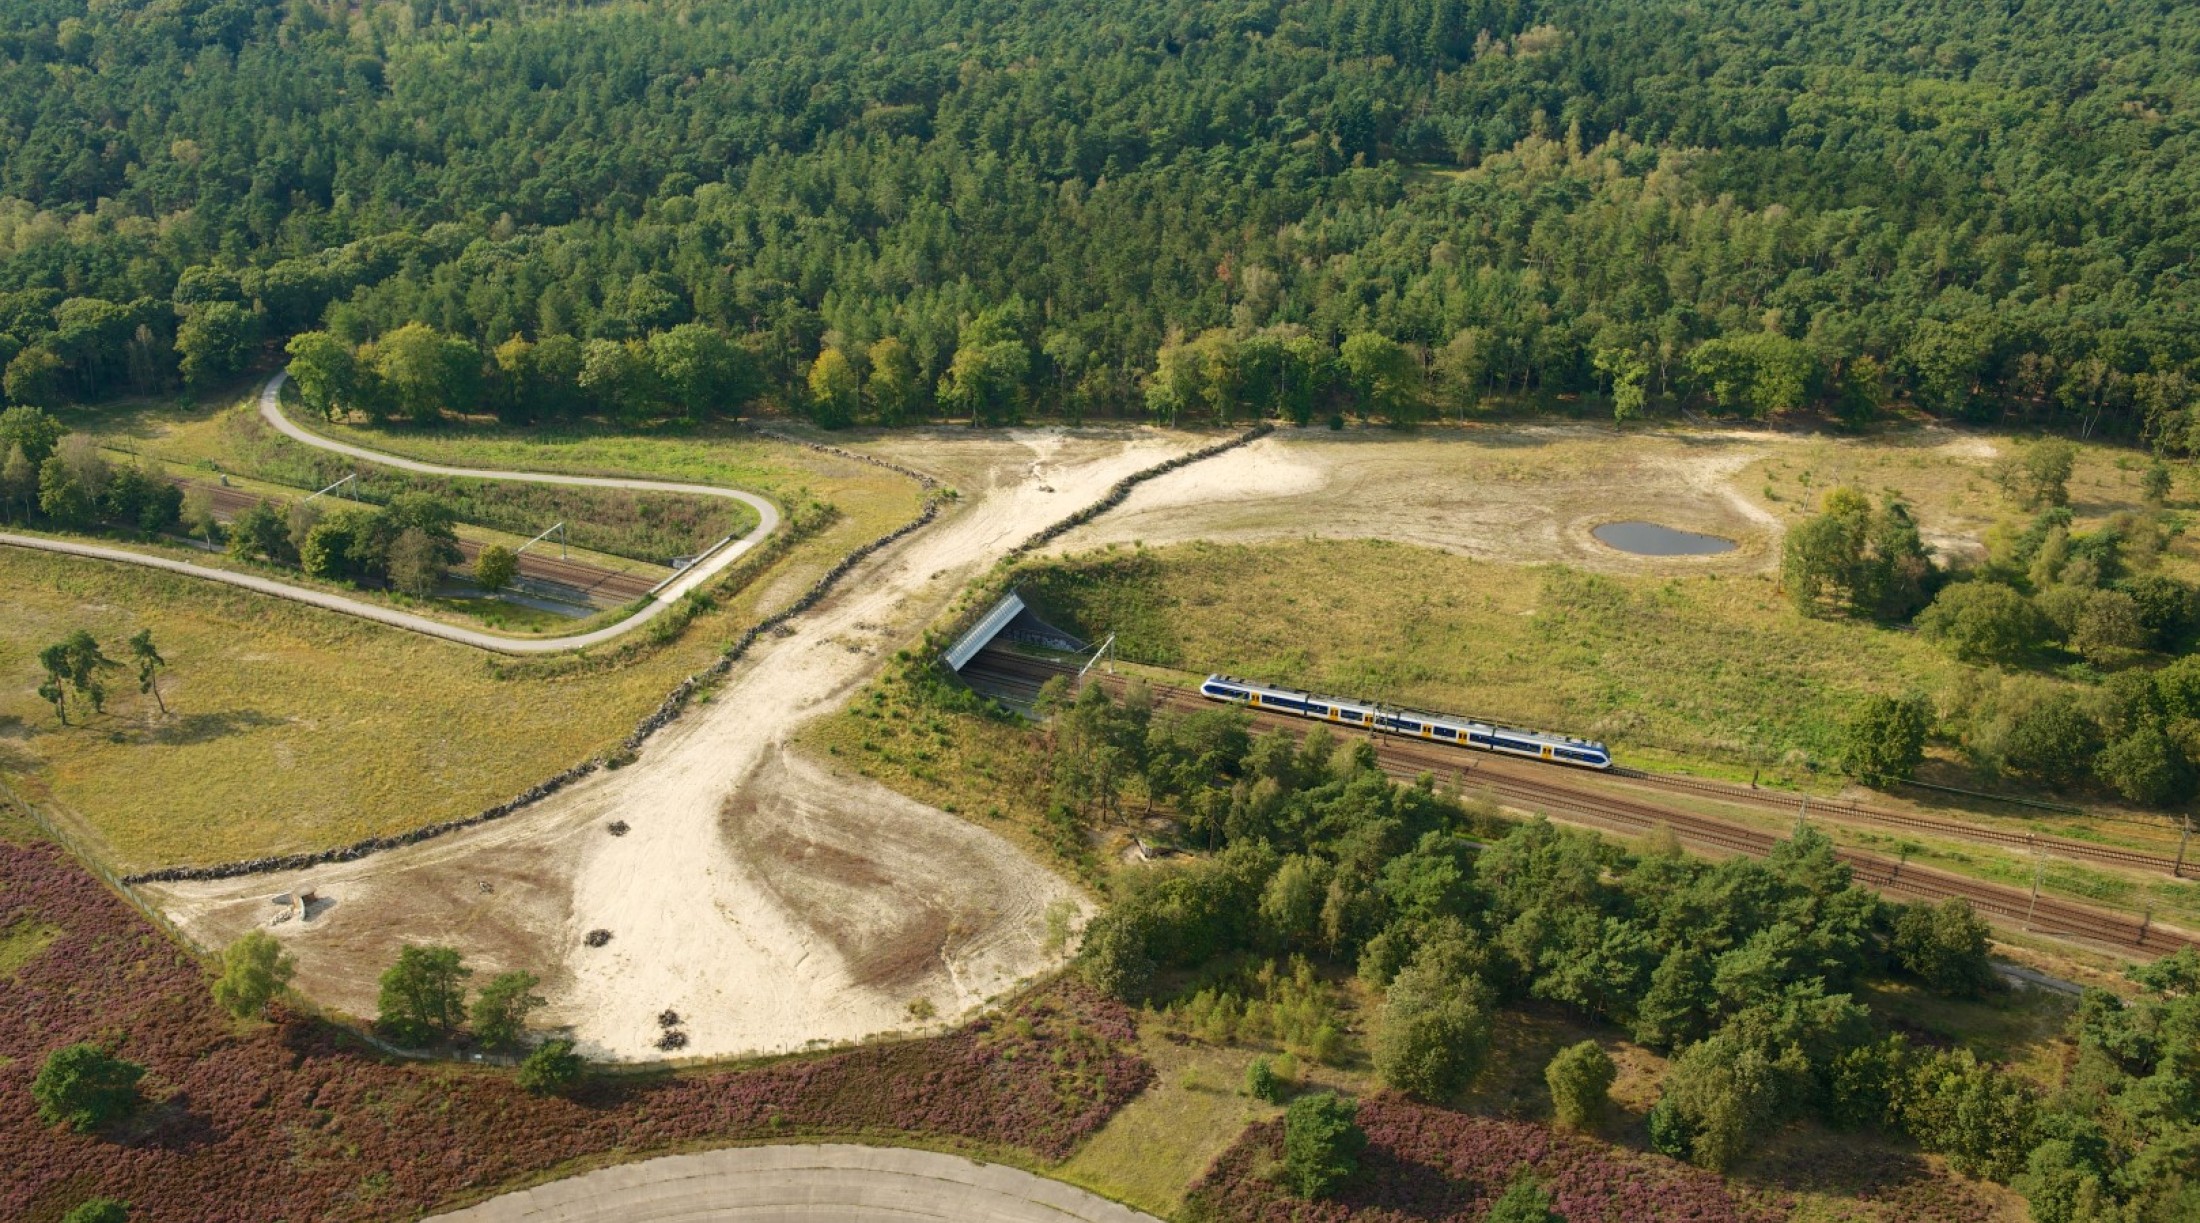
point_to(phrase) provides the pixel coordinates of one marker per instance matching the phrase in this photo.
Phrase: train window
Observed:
(1446, 732)
(1517, 745)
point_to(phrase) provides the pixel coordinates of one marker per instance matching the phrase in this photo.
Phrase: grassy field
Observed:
(1713, 670)
(228, 437)
(1152, 1151)
(970, 764)
(298, 729)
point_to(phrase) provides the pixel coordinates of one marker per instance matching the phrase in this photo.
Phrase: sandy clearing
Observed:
(722, 900)
(802, 1184)
(1523, 494)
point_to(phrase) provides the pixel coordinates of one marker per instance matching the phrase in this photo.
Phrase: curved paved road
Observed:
(703, 570)
(836, 1183)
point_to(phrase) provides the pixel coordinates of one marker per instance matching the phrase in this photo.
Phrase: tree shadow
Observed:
(190, 728)
(1810, 1158)
(170, 1125)
(1406, 1188)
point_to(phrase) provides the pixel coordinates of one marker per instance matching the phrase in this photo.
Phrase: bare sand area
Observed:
(767, 901)
(1525, 494)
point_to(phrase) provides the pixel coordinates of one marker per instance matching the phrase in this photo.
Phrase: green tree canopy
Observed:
(1322, 1143)
(423, 995)
(85, 1088)
(254, 969)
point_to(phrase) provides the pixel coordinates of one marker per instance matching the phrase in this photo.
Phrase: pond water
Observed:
(1650, 539)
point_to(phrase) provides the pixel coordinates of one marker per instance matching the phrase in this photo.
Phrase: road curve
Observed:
(695, 575)
(834, 1183)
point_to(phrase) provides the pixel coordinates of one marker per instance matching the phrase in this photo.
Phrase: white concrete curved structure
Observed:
(803, 1184)
(695, 575)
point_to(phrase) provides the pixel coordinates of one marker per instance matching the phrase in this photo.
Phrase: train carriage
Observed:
(1436, 728)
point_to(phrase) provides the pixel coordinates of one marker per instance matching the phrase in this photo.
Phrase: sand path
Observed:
(769, 902)
(705, 567)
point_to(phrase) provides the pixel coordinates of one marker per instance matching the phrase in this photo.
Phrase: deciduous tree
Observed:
(495, 567)
(423, 994)
(149, 666)
(500, 1010)
(1580, 1078)
(255, 968)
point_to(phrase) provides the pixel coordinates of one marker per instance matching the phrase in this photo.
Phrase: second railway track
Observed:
(1550, 789)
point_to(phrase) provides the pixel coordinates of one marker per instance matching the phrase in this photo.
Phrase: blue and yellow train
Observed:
(1436, 728)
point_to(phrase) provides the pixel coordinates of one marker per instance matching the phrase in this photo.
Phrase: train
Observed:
(1436, 728)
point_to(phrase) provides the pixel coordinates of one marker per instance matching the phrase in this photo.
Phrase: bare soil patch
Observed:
(713, 906)
(1532, 494)
(1522, 494)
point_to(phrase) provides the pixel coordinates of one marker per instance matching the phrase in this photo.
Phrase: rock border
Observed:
(675, 703)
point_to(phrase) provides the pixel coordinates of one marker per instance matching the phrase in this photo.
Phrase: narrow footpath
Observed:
(694, 576)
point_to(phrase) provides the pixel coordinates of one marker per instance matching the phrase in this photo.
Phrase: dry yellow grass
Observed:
(1150, 1153)
(299, 729)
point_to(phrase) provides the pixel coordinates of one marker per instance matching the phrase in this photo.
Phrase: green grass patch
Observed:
(2024, 1028)
(1149, 1153)
(928, 738)
(1715, 670)
(21, 942)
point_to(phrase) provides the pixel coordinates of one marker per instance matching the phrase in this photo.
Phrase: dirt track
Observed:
(770, 903)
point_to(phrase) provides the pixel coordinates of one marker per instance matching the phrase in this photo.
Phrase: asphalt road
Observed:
(802, 1184)
(695, 575)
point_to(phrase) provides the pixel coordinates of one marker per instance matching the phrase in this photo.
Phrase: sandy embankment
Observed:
(767, 901)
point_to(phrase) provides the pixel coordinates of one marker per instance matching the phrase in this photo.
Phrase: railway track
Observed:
(592, 581)
(2061, 847)
(1566, 797)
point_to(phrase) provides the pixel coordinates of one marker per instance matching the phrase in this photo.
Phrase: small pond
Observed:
(1650, 539)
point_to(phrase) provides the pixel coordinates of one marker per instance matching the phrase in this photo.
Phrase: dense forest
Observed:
(998, 208)
(1746, 973)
